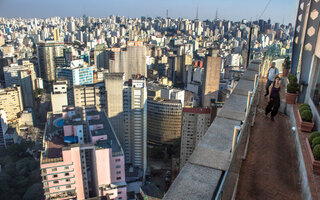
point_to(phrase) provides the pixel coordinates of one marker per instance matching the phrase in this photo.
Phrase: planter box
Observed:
(305, 126)
(315, 163)
(291, 98)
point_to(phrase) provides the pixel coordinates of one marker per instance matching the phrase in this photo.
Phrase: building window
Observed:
(57, 188)
(117, 160)
(68, 180)
(44, 171)
(119, 192)
(46, 190)
(54, 169)
(118, 178)
(66, 174)
(44, 177)
(55, 176)
(118, 172)
(68, 186)
(118, 166)
(66, 167)
(55, 182)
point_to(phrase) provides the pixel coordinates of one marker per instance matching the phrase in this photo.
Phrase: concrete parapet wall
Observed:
(202, 175)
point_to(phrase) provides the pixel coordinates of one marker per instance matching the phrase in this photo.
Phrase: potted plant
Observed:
(313, 147)
(286, 67)
(292, 89)
(305, 117)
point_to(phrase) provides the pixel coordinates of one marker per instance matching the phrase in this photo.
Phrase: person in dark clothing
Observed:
(274, 98)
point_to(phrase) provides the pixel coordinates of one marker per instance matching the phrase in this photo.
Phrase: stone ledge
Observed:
(243, 87)
(234, 108)
(249, 75)
(194, 182)
(253, 67)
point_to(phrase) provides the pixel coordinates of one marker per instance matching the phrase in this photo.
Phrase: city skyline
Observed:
(283, 11)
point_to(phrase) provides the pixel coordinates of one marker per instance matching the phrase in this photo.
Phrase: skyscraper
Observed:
(135, 122)
(56, 35)
(114, 102)
(131, 60)
(195, 123)
(164, 120)
(46, 59)
(211, 82)
(26, 83)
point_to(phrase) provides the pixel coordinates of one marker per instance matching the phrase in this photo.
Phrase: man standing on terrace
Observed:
(272, 73)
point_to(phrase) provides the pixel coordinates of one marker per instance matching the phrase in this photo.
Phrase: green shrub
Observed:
(316, 152)
(292, 78)
(315, 141)
(306, 115)
(303, 107)
(292, 87)
(313, 135)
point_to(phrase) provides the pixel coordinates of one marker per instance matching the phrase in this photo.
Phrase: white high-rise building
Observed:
(59, 96)
(135, 123)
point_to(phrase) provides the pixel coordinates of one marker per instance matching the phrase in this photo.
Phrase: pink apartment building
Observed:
(82, 160)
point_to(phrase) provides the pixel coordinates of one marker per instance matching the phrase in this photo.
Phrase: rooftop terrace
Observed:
(54, 137)
(243, 155)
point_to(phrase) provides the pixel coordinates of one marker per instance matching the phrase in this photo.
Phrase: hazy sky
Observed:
(277, 11)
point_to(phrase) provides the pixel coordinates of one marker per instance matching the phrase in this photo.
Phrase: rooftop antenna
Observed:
(197, 12)
(167, 14)
(216, 15)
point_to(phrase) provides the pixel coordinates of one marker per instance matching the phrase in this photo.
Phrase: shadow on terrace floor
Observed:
(270, 170)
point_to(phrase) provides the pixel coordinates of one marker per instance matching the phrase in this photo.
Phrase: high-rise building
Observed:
(56, 35)
(164, 120)
(3, 128)
(26, 83)
(211, 81)
(131, 60)
(100, 56)
(59, 96)
(195, 123)
(46, 59)
(71, 26)
(114, 102)
(89, 95)
(82, 75)
(11, 74)
(21, 75)
(135, 122)
(82, 159)
(79, 73)
(11, 102)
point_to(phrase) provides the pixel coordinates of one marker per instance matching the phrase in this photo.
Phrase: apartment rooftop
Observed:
(54, 136)
(112, 140)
